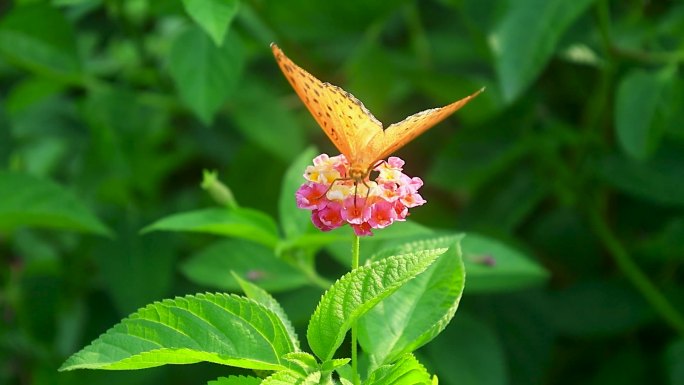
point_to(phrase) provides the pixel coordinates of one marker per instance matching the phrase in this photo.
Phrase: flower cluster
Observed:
(334, 199)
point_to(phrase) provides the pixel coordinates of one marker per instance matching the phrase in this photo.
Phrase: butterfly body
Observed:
(351, 126)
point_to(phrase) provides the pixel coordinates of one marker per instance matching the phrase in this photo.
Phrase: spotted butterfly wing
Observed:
(349, 124)
(398, 134)
(345, 120)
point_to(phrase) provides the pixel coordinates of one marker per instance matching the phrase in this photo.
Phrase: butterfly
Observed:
(350, 126)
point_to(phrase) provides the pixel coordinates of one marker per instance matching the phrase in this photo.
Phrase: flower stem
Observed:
(631, 270)
(355, 265)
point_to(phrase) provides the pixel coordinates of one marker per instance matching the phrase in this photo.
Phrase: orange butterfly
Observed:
(350, 126)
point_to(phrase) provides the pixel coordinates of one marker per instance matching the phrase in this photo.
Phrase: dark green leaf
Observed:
(41, 39)
(638, 97)
(205, 74)
(240, 223)
(29, 201)
(526, 37)
(674, 361)
(252, 261)
(214, 16)
(219, 328)
(468, 352)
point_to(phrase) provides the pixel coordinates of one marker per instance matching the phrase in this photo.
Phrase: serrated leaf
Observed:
(29, 201)
(636, 105)
(212, 265)
(242, 223)
(204, 74)
(356, 293)
(295, 221)
(292, 378)
(40, 38)
(236, 380)
(418, 311)
(406, 371)
(526, 37)
(214, 16)
(261, 296)
(220, 328)
(304, 361)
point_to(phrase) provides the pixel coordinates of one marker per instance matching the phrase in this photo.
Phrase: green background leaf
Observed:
(214, 16)
(28, 201)
(205, 74)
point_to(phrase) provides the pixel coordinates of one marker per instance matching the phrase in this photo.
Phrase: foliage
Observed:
(566, 177)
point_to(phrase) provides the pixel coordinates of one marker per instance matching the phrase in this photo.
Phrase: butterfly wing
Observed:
(398, 134)
(348, 124)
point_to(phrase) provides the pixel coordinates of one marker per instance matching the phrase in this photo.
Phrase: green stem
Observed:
(631, 270)
(354, 265)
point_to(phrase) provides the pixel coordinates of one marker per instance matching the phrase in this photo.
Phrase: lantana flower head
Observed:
(335, 199)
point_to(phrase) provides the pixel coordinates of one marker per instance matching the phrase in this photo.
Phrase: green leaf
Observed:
(468, 353)
(39, 38)
(240, 223)
(526, 37)
(214, 16)
(494, 266)
(263, 119)
(295, 221)
(261, 296)
(236, 380)
(220, 328)
(205, 74)
(419, 310)
(636, 105)
(674, 362)
(212, 266)
(356, 293)
(29, 201)
(304, 361)
(292, 378)
(490, 265)
(406, 371)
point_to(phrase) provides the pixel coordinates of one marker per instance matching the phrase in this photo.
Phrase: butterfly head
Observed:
(358, 174)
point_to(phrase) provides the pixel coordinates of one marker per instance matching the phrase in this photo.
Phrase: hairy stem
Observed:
(354, 265)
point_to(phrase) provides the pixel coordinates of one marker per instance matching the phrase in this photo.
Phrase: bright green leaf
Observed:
(240, 223)
(257, 263)
(220, 328)
(292, 378)
(419, 310)
(40, 38)
(295, 221)
(356, 293)
(29, 201)
(214, 16)
(205, 74)
(261, 296)
(406, 371)
(638, 97)
(236, 380)
(304, 361)
(526, 38)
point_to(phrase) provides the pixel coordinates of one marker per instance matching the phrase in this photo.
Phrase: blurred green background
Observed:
(111, 109)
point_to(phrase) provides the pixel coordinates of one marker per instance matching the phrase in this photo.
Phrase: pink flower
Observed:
(335, 200)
